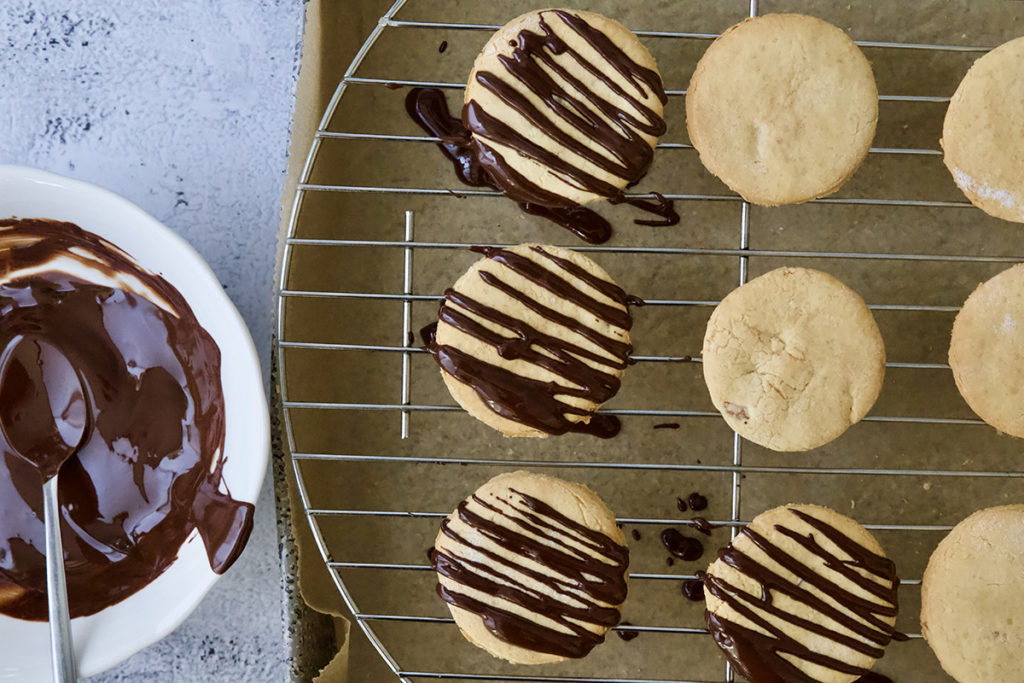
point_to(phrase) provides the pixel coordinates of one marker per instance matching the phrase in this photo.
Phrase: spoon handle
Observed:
(61, 646)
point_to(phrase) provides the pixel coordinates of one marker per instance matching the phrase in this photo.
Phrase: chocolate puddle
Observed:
(148, 473)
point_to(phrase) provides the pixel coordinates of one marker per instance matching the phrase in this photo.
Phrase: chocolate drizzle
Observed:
(588, 375)
(758, 654)
(148, 472)
(608, 138)
(583, 585)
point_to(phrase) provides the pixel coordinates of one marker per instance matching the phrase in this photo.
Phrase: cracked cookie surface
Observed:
(792, 359)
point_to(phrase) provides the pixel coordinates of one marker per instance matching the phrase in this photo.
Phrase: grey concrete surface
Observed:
(184, 108)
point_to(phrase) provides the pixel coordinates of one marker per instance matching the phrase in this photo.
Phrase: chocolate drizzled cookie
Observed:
(802, 595)
(532, 340)
(532, 567)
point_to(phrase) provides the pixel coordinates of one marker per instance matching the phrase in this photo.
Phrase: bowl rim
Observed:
(242, 348)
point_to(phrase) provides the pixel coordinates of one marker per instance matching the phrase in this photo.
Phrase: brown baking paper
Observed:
(412, 483)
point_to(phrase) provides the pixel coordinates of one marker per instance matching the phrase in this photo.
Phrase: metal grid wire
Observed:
(409, 245)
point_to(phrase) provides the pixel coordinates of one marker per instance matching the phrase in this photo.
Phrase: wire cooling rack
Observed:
(352, 575)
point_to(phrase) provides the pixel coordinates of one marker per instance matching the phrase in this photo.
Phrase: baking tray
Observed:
(377, 232)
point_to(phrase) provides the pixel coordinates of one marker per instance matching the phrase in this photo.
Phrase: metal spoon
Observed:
(43, 417)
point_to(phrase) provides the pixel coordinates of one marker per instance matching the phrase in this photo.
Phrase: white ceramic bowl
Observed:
(114, 634)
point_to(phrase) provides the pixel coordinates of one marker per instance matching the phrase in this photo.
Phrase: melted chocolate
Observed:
(693, 589)
(702, 525)
(758, 655)
(697, 502)
(683, 547)
(667, 425)
(429, 109)
(522, 399)
(681, 505)
(443, 46)
(587, 571)
(585, 223)
(148, 471)
(873, 678)
(636, 534)
(627, 634)
(628, 155)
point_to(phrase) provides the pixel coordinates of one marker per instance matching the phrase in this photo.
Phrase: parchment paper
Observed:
(334, 31)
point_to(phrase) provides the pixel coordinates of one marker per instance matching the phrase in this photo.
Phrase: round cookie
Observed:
(971, 597)
(782, 108)
(802, 593)
(565, 107)
(981, 136)
(533, 339)
(792, 359)
(986, 351)
(533, 568)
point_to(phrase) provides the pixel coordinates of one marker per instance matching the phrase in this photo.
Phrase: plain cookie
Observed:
(972, 598)
(564, 107)
(782, 108)
(533, 568)
(981, 136)
(802, 593)
(792, 359)
(986, 351)
(533, 339)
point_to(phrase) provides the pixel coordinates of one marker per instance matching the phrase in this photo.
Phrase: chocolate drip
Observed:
(662, 207)
(148, 473)
(529, 401)
(758, 655)
(626, 153)
(627, 634)
(667, 425)
(429, 109)
(693, 589)
(697, 502)
(702, 525)
(683, 547)
(873, 678)
(585, 584)
(585, 223)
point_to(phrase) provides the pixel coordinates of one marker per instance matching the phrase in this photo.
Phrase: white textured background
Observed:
(183, 107)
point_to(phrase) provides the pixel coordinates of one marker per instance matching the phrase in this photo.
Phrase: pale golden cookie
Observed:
(565, 107)
(782, 108)
(802, 591)
(972, 598)
(513, 551)
(792, 359)
(981, 136)
(533, 339)
(986, 351)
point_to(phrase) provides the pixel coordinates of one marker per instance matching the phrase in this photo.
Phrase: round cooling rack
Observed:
(380, 227)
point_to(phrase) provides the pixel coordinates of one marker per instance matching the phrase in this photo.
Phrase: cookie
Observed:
(782, 108)
(981, 137)
(533, 568)
(565, 107)
(986, 351)
(533, 339)
(972, 596)
(792, 359)
(802, 594)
